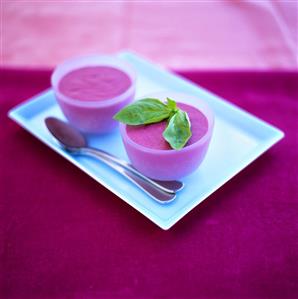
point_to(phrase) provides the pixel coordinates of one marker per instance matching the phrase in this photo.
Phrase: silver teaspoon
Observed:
(74, 142)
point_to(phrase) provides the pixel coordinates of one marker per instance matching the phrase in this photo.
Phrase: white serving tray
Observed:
(239, 138)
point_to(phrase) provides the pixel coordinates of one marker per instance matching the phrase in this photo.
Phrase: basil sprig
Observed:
(149, 111)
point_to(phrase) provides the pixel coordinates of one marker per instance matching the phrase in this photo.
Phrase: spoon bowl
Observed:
(68, 136)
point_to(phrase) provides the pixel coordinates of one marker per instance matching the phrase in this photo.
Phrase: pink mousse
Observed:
(151, 135)
(94, 83)
(150, 153)
(90, 90)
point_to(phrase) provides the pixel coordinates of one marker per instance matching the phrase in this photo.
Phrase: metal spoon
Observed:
(74, 142)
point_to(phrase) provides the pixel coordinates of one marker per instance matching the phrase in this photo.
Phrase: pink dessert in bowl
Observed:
(91, 89)
(151, 154)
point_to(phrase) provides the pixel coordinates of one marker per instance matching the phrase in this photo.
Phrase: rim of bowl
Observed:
(97, 60)
(208, 113)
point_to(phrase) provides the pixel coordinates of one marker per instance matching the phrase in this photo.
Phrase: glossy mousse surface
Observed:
(94, 83)
(151, 135)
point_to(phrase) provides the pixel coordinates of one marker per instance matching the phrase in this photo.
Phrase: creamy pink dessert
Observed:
(91, 89)
(150, 136)
(94, 83)
(150, 153)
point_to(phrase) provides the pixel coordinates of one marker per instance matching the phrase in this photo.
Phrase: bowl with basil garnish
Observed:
(166, 135)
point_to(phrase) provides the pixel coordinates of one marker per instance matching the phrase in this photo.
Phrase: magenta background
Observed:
(62, 235)
(181, 34)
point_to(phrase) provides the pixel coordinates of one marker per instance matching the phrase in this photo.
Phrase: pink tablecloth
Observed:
(65, 236)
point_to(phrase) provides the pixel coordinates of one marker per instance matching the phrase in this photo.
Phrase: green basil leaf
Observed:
(171, 104)
(178, 132)
(145, 111)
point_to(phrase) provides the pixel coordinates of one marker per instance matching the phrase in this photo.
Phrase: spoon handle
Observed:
(167, 186)
(155, 192)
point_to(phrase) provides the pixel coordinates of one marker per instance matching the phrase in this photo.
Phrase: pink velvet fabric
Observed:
(62, 235)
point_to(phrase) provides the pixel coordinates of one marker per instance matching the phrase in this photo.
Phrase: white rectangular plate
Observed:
(239, 138)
